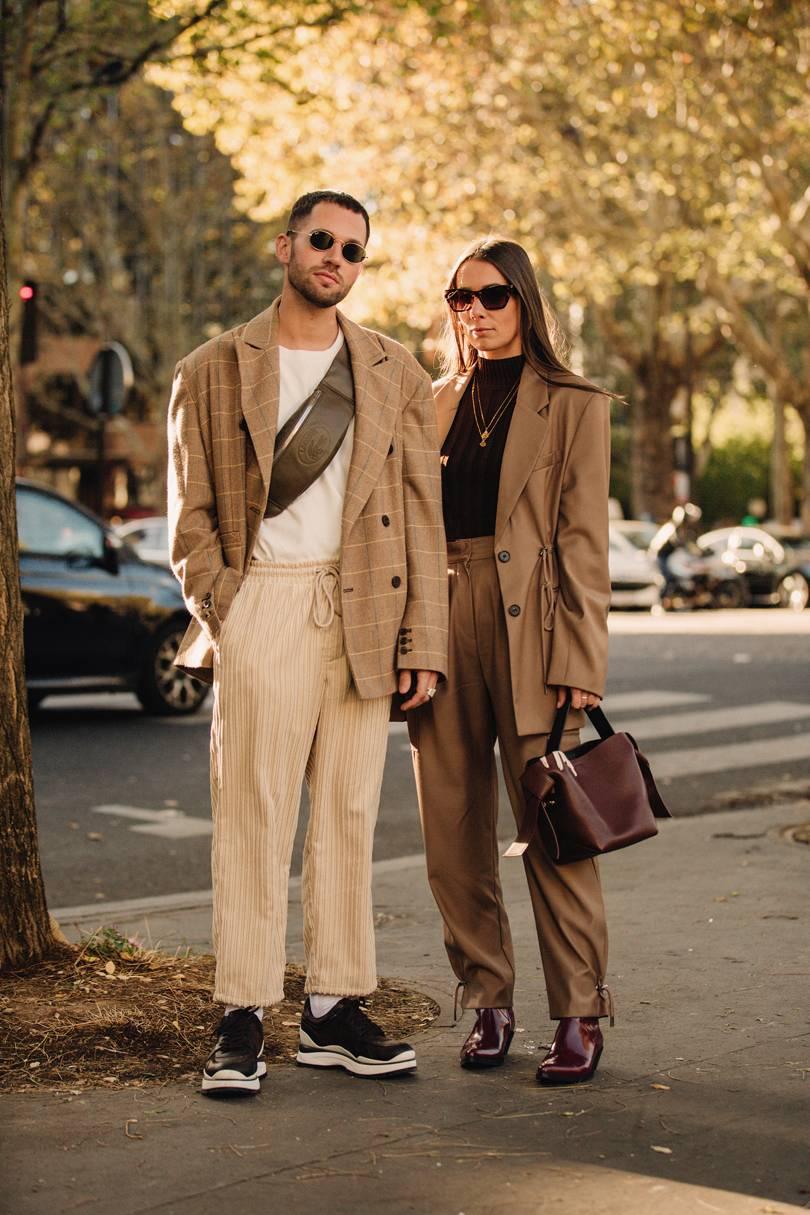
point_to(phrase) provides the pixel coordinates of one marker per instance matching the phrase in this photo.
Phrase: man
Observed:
(312, 559)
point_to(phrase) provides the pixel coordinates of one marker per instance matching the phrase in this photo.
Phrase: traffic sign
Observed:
(111, 378)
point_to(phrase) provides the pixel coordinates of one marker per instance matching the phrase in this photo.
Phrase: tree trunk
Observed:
(25, 930)
(651, 432)
(805, 417)
(781, 481)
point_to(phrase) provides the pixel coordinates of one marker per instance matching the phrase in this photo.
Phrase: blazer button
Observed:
(514, 610)
(503, 555)
(386, 521)
(396, 581)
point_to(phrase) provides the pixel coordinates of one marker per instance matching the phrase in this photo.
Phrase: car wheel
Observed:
(730, 594)
(165, 690)
(794, 592)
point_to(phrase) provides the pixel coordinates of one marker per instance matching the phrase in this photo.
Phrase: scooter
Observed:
(694, 580)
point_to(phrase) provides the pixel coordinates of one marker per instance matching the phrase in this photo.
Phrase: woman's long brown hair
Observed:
(542, 339)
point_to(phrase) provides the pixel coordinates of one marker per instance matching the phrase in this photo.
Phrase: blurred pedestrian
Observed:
(305, 516)
(525, 463)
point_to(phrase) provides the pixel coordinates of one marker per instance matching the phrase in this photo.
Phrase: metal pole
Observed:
(100, 459)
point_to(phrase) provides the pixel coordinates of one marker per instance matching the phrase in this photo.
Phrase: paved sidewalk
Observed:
(701, 1103)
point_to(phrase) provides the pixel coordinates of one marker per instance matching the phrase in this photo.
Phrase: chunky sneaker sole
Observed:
(227, 1080)
(310, 1054)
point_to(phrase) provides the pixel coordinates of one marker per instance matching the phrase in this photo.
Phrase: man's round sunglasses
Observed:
(322, 240)
(493, 298)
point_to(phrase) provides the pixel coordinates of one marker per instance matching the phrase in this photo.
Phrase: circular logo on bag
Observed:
(314, 446)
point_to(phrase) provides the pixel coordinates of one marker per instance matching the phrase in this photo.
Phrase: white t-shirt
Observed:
(309, 529)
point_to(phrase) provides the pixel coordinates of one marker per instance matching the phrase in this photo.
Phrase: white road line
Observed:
(618, 703)
(699, 761)
(169, 824)
(644, 729)
(650, 699)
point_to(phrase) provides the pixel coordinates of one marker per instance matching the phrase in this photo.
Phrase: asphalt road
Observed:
(719, 701)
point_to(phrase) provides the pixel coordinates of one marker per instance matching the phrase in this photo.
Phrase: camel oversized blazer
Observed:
(551, 540)
(222, 427)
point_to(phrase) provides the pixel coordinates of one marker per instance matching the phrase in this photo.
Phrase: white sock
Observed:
(321, 1005)
(259, 1010)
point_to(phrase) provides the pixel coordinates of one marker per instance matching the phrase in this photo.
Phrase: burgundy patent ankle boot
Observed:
(574, 1053)
(489, 1039)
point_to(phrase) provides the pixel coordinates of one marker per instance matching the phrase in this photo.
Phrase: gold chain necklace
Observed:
(483, 427)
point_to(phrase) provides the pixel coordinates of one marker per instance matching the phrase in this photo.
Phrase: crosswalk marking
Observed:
(700, 761)
(734, 717)
(169, 824)
(644, 714)
(651, 698)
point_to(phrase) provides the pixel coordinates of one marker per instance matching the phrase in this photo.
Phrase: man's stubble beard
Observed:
(307, 291)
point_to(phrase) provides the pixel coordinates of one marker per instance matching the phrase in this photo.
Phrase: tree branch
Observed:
(756, 343)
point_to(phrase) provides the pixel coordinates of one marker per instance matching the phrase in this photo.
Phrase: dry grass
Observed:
(110, 1014)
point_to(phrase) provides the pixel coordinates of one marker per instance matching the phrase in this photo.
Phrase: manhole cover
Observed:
(797, 835)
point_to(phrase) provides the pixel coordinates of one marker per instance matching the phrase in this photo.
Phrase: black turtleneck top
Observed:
(471, 473)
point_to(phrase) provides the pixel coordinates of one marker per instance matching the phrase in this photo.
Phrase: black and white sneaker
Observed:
(347, 1037)
(235, 1065)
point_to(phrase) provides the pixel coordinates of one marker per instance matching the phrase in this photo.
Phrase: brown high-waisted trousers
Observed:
(453, 740)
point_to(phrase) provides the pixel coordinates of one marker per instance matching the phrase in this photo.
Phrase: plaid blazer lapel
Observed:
(448, 396)
(376, 405)
(257, 354)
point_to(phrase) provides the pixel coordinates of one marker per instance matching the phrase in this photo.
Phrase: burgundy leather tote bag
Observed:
(596, 798)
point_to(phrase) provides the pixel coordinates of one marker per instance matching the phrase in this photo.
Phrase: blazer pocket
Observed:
(546, 459)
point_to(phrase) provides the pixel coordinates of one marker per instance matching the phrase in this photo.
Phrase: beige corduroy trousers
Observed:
(285, 711)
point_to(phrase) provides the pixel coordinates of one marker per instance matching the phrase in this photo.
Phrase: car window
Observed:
(55, 529)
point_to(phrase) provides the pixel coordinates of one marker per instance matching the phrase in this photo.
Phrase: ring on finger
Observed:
(430, 692)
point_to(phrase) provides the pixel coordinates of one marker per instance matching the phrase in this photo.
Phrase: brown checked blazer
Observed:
(551, 540)
(222, 426)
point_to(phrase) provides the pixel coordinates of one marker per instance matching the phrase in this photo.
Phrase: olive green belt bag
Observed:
(310, 439)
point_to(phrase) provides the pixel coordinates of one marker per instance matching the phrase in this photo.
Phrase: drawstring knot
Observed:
(325, 596)
(606, 995)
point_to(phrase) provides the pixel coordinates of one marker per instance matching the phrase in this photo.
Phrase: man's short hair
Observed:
(303, 206)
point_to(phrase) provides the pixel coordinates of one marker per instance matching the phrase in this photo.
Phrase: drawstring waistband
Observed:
(323, 575)
(326, 596)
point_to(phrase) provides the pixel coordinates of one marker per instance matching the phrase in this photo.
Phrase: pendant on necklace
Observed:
(484, 437)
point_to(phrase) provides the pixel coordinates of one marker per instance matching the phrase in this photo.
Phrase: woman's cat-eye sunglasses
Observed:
(494, 297)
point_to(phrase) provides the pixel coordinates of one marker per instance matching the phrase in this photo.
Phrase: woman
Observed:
(525, 461)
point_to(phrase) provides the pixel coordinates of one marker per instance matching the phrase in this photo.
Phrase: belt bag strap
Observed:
(309, 440)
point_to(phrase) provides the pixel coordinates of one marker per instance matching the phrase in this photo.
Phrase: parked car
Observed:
(149, 537)
(638, 531)
(635, 580)
(96, 617)
(796, 546)
(773, 576)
